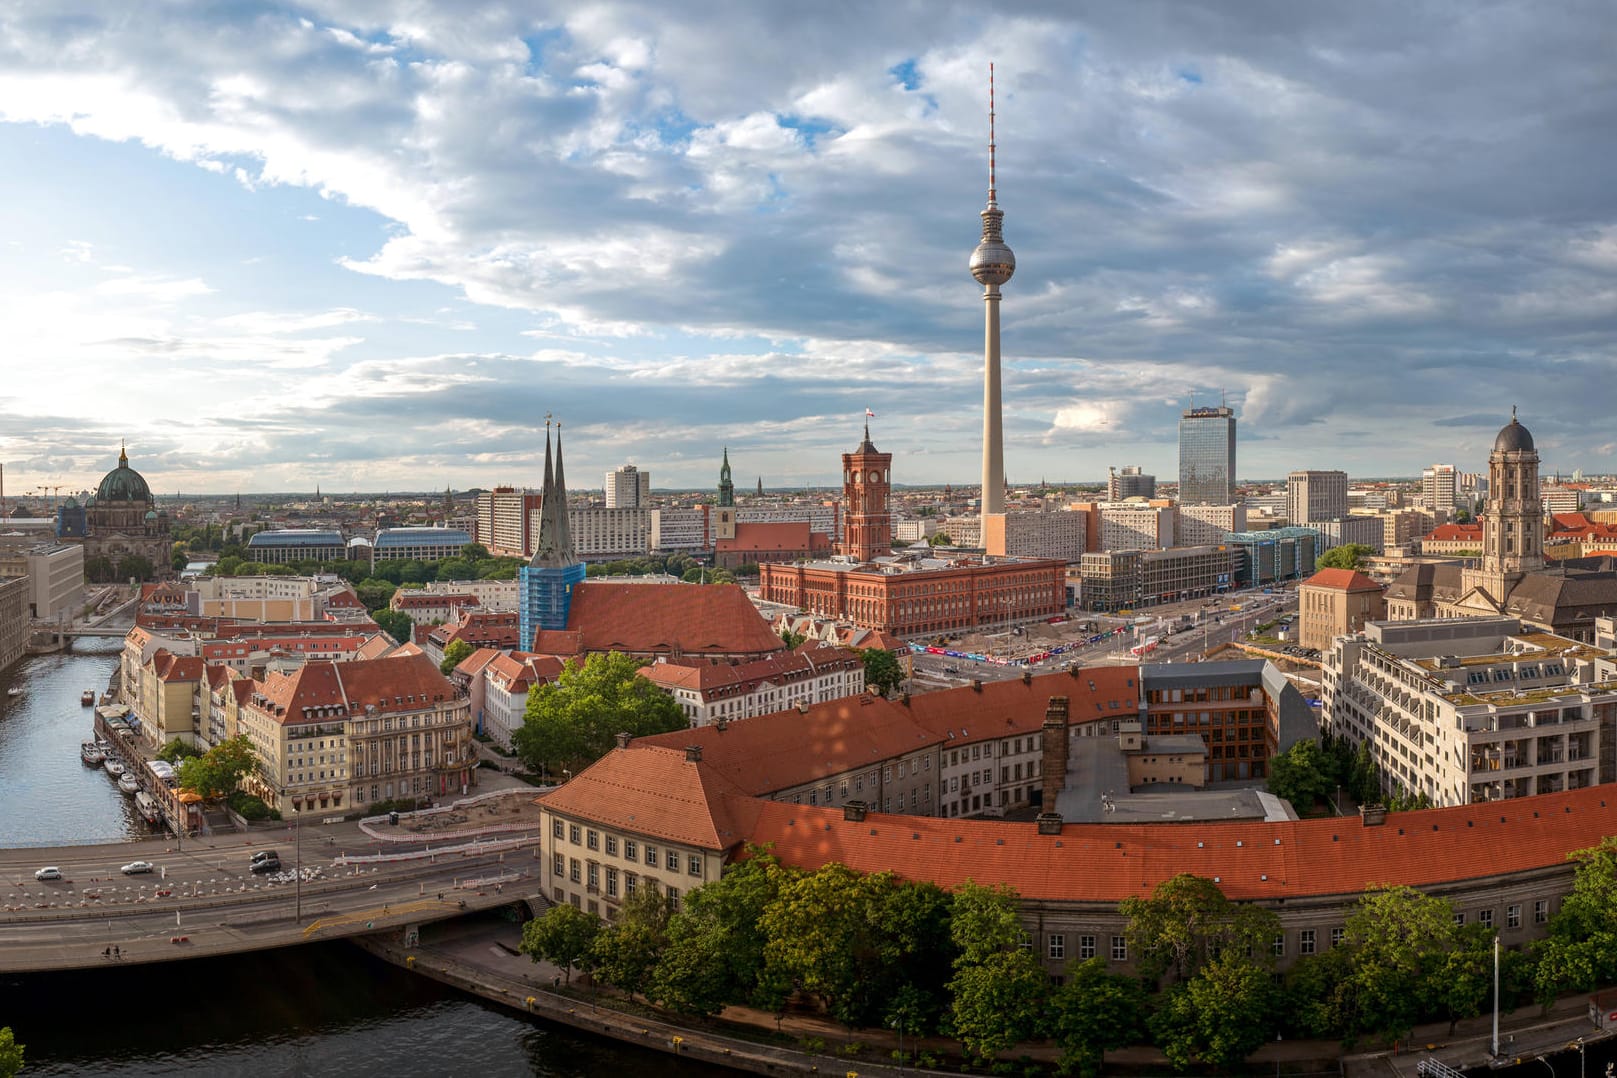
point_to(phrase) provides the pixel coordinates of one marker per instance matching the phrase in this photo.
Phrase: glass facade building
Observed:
(1207, 456)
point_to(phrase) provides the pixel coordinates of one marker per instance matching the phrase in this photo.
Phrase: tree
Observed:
(1220, 1016)
(1302, 775)
(997, 1001)
(217, 772)
(1397, 940)
(1186, 921)
(564, 936)
(454, 654)
(375, 593)
(626, 952)
(1311, 987)
(1092, 1012)
(1580, 952)
(715, 951)
(10, 1053)
(983, 921)
(135, 566)
(882, 671)
(572, 721)
(177, 750)
(791, 639)
(941, 539)
(1346, 556)
(395, 623)
(100, 569)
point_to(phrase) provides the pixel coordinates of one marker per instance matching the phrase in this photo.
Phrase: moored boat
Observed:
(114, 768)
(146, 805)
(88, 698)
(92, 754)
(129, 783)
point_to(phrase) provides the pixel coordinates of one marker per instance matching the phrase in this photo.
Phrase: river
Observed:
(318, 1010)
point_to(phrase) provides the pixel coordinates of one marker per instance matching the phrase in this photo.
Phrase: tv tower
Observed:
(992, 264)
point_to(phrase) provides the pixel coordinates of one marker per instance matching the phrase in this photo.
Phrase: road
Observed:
(205, 896)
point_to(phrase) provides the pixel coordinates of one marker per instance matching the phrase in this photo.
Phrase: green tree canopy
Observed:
(217, 772)
(1220, 1016)
(177, 750)
(1094, 1011)
(1397, 940)
(1303, 775)
(626, 952)
(882, 670)
(1580, 952)
(1346, 556)
(454, 654)
(10, 1053)
(137, 566)
(395, 623)
(997, 1002)
(791, 639)
(572, 722)
(564, 935)
(1186, 921)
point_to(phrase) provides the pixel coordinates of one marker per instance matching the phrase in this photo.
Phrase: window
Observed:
(1280, 945)
(593, 839)
(693, 865)
(1337, 936)
(594, 876)
(1485, 918)
(1459, 917)
(558, 829)
(651, 857)
(629, 880)
(629, 848)
(572, 870)
(1541, 910)
(1058, 945)
(558, 865)
(611, 882)
(1305, 941)
(1086, 947)
(1120, 949)
(574, 834)
(673, 899)
(1513, 916)
(611, 845)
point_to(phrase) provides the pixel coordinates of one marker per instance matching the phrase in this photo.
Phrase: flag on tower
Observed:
(869, 414)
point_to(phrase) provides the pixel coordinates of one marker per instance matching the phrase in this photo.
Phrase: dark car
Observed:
(268, 864)
(264, 855)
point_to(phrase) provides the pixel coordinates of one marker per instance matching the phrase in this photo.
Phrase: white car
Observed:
(135, 867)
(49, 873)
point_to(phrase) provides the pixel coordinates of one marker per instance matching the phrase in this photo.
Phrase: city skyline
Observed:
(361, 250)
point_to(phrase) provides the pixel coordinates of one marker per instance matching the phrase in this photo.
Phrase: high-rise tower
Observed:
(1207, 456)
(545, 584)
(866, 475)
(992, 264)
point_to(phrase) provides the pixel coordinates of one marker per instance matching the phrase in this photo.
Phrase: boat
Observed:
(128, 783)
(146, 805)
(92, 754)
(88, 698)
(14, 691)
(114, 768)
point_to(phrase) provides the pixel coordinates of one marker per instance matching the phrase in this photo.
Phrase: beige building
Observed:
(1313, 497)
(13, 619)
(331, 735)
(169, 702)
(256, 598)
(55, 581)
(1058, 534)
(1336, 602)
(1473, 709)
(1136, 525)
(605, 533)
(1209, 525)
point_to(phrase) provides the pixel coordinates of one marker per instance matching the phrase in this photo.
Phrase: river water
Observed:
(318, 1010)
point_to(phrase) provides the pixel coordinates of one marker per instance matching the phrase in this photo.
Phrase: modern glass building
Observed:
(1207, 456)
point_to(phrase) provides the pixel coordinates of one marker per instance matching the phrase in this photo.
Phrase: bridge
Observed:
(203, 899)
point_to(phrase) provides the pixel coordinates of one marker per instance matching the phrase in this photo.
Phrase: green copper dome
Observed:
(123, 484)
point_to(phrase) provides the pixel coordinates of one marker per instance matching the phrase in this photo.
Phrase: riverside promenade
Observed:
(481, 958)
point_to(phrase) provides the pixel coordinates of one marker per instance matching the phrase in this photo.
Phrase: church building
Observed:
(120, 521)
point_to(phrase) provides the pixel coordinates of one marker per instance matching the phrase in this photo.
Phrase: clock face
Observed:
(875, 477)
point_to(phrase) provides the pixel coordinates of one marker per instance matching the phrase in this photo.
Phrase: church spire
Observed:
(554, 549)
(727, 489)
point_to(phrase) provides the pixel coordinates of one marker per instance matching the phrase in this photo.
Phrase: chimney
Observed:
(721, 725)
(1372, 815)
(854, 811)
(1027, 676)
(693, 754)
(905, 699)
(1049, 823)
(976, 684)
(623, 739)
(1054, 761)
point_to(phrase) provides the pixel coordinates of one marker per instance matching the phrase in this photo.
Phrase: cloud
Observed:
(737, 217)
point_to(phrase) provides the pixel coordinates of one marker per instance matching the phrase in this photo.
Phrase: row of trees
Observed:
(874, 950)
(1311, 772)
(102, 569)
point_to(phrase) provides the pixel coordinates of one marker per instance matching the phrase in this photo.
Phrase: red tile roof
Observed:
(170, 667)
(808, 660)
(1341, 580)
(343, 598)
(660, 793)
(650, 619)
(762, 537)
(1457, 533)
(1250, 860)
(319, 690)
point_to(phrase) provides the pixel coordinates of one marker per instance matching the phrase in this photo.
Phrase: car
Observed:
(50, 872)
(267, 864)
(264, 855)
(136, 867)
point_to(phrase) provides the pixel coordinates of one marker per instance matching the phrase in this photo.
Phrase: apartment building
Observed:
(721, 692)
(1316, 496)
(1208, 525)
(1059, 534)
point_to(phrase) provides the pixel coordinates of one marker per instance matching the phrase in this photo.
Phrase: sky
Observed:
(372, 246)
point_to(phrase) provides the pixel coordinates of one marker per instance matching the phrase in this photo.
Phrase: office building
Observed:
(1314, 497)
(627, 487)
(1116, 580)
(1129, 482)
(1440, 487)
(1336, 602)
(286, 546)
(419, 544)
(1277, 554)
(1207, 456)
(1202, 525)
(1042, 533)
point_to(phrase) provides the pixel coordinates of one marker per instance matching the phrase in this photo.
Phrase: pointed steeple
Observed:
(727, 490)
(123, 452)
(554, 549)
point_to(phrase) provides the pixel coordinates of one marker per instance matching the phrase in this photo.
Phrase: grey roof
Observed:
(391, 537)
(1514, 438)
(1195, 675)
(296, 537)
